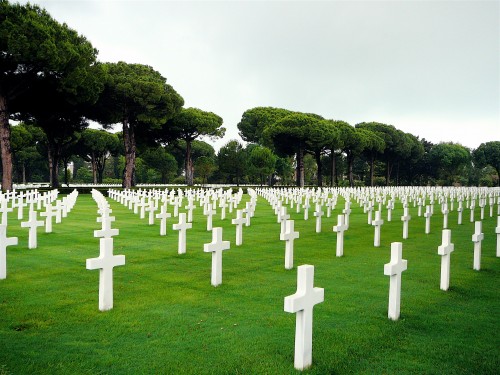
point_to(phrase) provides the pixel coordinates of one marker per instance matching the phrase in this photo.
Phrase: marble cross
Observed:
(405, 219)
(163, 216)
(477, 238)
(216, 247)
(340, 228)
(394, 269)
(445, 250)
(182, 227)
(239, 221)
(105, 264)
(32, 224)
(289, 236)
(302, 303)
(4, 242)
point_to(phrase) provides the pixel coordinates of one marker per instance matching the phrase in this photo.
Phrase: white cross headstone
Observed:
(318, 213)
(390, 207)
(459, 210)
(163, 216)
(377, 223)
(4, 210)
(428, 215)
(302, 303)
(32, 224)
(106, 231)
(497, 231)
(239, 221)
(340, 228)
(190, 207)
(477, 238)
(105, 264)
(151, 210)
(394, 269)
(4, 242)
(445, 250)
(216, 247)
(209, 214)
(289, 236)
(347, 211)
(445, 212)
(182, 226)
(405, 219)
(49, 214)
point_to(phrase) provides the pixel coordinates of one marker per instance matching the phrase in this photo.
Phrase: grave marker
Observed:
(32, 224)
(105, 264)
(445, 250)
(4, 242)
(302, 303)
(289, 236)
(394, 269)
(216, 247)
(182, 227)
(477, 238)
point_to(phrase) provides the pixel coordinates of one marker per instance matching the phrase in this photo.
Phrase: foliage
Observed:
(255, 120)
(139, 98)
(448, 161)
(263, 162)
(232, 160)
(49, 74)
(188, 125)
(205, 166)
(488, 154)
(161, 161)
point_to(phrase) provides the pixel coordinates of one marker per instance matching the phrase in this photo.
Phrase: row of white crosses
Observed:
(106, 260)
(32, 223)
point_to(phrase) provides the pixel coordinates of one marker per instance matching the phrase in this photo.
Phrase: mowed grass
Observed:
(168, 319)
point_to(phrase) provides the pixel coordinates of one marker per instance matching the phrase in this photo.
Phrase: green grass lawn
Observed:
(168, 319)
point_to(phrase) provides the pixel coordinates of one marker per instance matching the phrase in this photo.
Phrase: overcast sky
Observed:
(430, 68)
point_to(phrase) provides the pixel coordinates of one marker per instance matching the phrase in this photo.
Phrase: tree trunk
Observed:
(130, 150)
(300, 168)
(320, 168)
(93, 161)
(334, 169)
(54, 165)
(6, 150)
(372, 171)
(350, 162)
(24, 173)
(387, 172)
(188, 165)
(66, 172)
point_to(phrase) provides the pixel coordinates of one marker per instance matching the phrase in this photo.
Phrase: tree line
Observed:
(52, 85)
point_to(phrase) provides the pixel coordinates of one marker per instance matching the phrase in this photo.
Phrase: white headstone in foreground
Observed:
(216, 247)
(239, 221)
(340, 228)
(377, 223)
(428, 214)
(445, 250)
(394, 269)
(405, 219)
(105, 264)
(182, 226)
(163, 216)
(32, 224)
(4, 242)
(289, 236)
(497, 231)
(302, 303)
(477, 238)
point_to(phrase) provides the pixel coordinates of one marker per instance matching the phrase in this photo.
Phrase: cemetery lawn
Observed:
(168, 319)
